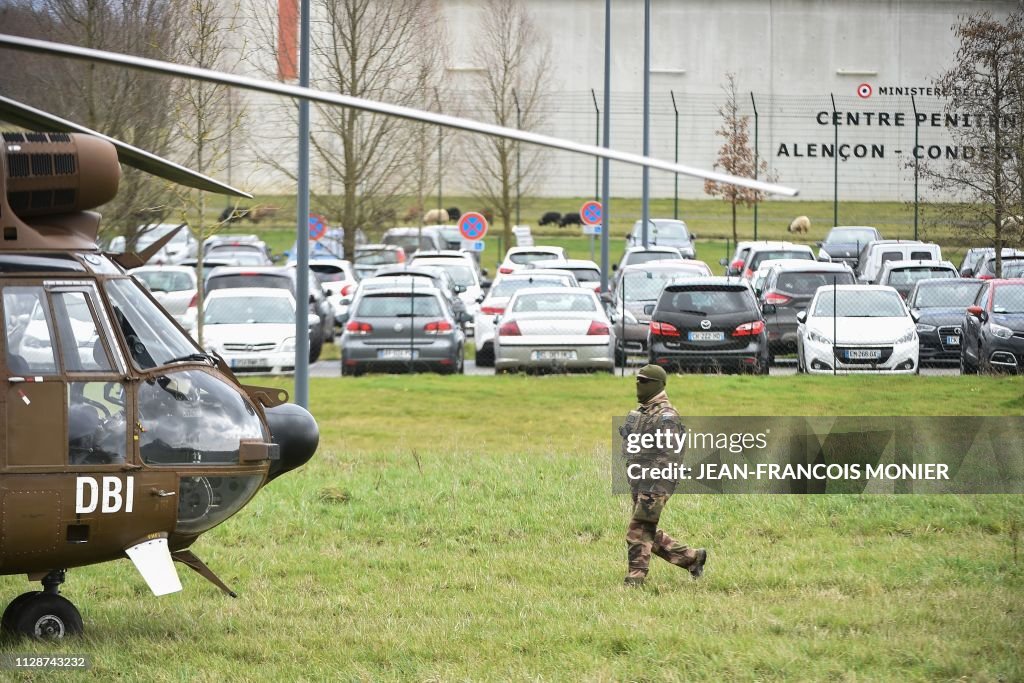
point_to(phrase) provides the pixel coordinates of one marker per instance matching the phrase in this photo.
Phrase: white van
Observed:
(877, 253)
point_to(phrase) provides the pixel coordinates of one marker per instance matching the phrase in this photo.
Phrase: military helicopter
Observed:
(119, 436)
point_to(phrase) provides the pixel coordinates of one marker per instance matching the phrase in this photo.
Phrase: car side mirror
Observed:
(723, 262)
(820, 243)
(485, 284)
(915, 314)
(801, 317)
(967, 272)
(978, 312)
(345, 301)
(312, 298)
(693, 236)
(459, 289)
(483, 271)
(648, 309)
(769, 309)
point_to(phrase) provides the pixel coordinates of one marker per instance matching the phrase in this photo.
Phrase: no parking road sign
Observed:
(472, 226)
(592, 214)
(317, 226)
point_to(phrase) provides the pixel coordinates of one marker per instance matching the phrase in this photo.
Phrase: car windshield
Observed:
(1013, 269)
(647, 285)
(859, 303)
(1008, 299)
(756, 259)
(850, 236)
(249, 280)
(461, 273)
(376, 257)
(586, 274)
(328, 273)
(242, 310)
(947, 295)
(234, 248)
(705, 301)
(553, 303)
(525, 257)
(166, 281)
(398, 305)
(506, 287)
(667, 230)
(908, 276)
(808, 283)
(647, 256)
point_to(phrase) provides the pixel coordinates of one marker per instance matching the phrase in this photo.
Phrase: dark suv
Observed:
(710, 323)
(281, 278)
(788, 289)
(937, 306)
(993, 336)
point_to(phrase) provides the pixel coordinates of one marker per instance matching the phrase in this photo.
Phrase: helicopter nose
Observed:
(296, 432)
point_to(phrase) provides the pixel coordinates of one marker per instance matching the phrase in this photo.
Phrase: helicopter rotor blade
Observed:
(157, 66)
(31, 118)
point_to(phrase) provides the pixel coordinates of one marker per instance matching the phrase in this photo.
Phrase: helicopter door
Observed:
(34, 391)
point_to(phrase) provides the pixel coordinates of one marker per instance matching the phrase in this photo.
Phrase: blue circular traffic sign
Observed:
(317, 226)
(592, 213)
(472, 226)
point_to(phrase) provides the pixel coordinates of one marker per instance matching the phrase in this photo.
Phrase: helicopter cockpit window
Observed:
(80, 344)
(28, 332)
(151, 337)
(97, 428)
(193, 418)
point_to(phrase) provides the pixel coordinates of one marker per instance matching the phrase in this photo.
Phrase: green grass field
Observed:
(462, 528)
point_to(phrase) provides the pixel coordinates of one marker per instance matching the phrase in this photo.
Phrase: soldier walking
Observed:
(643, 536)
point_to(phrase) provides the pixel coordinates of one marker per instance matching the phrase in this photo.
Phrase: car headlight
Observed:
(288, 344)
(921, 327)
(1000, 331)
(819, 338)
(908, 337)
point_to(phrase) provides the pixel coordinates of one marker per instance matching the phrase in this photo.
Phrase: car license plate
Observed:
(952, 341)
(706, 336)
(863, 354)
(396, 354)
(553, 355)
(248, 362)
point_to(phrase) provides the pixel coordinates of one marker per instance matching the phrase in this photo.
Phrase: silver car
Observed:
(402, 329)
(559, 328)
(174, 287)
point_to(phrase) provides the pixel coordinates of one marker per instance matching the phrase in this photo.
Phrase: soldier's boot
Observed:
(640, 542)
(674, 552)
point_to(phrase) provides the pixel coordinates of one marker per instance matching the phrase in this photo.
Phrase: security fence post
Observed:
(756, 157)
(835, 324)
(917, 130)
(835, 163)
(675, 202)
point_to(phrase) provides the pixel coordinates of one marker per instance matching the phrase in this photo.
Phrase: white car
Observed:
(517, 257)
(174, 288)
(252, 328)
(873, 332)
(554, 327)
(493, 305)
(462, 268)
(587, 273)
(338, 279)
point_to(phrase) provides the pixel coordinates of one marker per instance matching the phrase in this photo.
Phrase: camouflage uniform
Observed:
(650, 495)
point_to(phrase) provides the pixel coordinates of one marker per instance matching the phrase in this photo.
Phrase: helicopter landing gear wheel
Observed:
(12, 610)
(47, 616)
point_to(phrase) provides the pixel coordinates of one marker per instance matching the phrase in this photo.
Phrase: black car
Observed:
(710, 323)
(937, 306)
(788, 289)
(843, 243)
(993, 336)
(280, 278)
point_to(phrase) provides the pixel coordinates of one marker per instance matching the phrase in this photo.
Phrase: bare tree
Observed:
(985, 182)
(86, 92)
(206, 115)
(736, 156)
(516, 69)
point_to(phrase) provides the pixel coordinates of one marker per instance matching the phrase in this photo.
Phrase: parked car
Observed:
(587, 273)
(764, 251)
(463, 270)
(338, 278)
(710, 323)
(634, 255)
(182, 246)
(788, 288)
(871, 333)
(280, 278)
(174, 288)
(253, 329)
(413, 239)
(875, 254)
(664, 232)
(371, 257)
(433, 275)
(641, 285)
(937, 307)
(734, 265)
(402, 330)
(237, 255)
(761, 274)
(972, 258)
(845, 242)
(554, 328)
(518, 257)
(986, 269)
(493, 304)
(993, 328)
(217, 241)
(901, 275)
